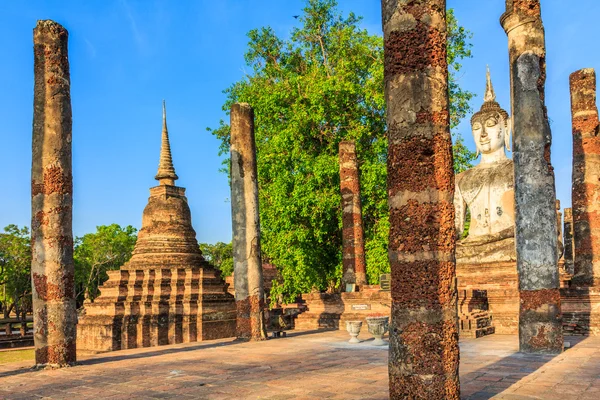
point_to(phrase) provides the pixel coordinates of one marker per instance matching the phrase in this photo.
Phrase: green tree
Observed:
(322, 85)
(220, 255)
(95, 253)
(15, 268)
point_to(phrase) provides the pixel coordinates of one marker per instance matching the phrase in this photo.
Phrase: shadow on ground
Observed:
(313, 368)
(121, 355)
(495, 377)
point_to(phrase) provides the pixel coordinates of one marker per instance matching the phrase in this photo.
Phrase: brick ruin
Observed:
(52, 267)
(540, 325)
(581, 301)
(167, 293)
(333, 310)
(586, 178)
(353, 249)
(248, 275)
(424, 354)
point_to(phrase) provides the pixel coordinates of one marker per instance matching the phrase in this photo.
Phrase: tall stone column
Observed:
(354, 264)
(248, 281)
(559, 234)
(424, 354)
(52, 268)
(540, 329)
(568, 239)
(586, 178)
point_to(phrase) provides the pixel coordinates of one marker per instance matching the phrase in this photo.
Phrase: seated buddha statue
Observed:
(487, 190)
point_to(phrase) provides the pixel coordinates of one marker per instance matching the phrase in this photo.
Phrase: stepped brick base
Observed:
(500, 282)
(474, 317)
(331, 311)
(153, 307)
(581, 311)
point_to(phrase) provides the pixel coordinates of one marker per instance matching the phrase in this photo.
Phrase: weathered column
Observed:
(424, 355)
(568, 240)
(536, 240)
(559, 233)
(52, 268)
(586, 178)
(248, 282)
(354, 265)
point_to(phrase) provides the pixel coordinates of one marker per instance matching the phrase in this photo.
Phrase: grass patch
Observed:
(9, 356)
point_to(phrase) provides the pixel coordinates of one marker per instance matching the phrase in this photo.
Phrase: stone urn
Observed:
(378, 326)
(353, 328)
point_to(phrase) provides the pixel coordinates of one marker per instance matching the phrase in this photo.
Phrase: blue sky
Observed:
(126, 56)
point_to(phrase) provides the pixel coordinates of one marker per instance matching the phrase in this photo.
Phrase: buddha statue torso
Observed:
(487, 190)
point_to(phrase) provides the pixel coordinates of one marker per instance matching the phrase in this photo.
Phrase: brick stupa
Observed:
(167, 293)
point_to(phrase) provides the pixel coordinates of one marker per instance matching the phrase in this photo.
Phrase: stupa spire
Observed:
(166, 172)
(489, 89)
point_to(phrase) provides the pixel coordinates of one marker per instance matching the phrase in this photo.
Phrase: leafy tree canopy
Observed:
(15, 268)
(322, 85)
(220, 255)
(95, 253)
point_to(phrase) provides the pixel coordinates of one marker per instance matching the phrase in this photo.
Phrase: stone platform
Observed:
(331, 311)
(305, 365)
(474, 317)
(154, 307)
(500, 283)
(581, 310)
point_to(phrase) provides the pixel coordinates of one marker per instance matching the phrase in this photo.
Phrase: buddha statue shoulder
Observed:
(486, 191)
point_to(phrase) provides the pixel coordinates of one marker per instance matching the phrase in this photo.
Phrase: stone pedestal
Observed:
(492, 268)
(500, 282)
(581, 311)
(475, 320)
(331, 311)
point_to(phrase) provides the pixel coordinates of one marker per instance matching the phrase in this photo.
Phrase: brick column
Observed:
(586, 178)
(354, 265)
(540, 329)
(568, 241)
(424, 354)
(248, 282)
(52, 268)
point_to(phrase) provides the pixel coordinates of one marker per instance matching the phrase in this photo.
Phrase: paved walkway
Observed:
(305, 365)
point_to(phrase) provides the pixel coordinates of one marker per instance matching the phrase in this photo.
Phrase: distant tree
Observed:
(95, 253)
(15, 269)
(322, 85)
(219, 255)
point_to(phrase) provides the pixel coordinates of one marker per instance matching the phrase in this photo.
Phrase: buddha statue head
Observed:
(491, 127)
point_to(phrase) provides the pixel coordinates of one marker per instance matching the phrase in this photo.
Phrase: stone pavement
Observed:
(305, 365)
